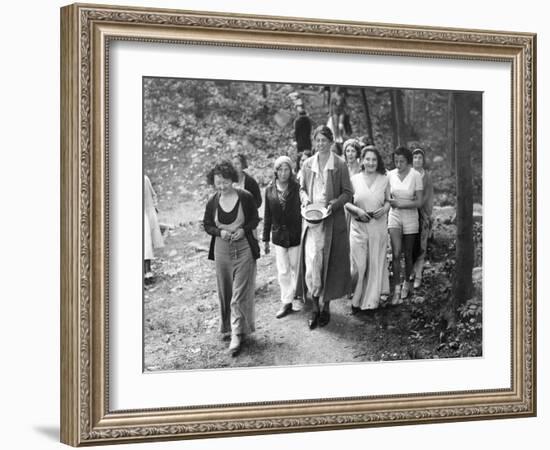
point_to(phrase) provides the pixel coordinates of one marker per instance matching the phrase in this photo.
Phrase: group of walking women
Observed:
(342, 255)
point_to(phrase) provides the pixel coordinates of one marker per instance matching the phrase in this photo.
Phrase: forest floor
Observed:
(181, 313)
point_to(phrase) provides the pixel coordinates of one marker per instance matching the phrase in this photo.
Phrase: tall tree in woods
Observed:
(451, 133)
(463, 287)
(410, 108)
(264, 95)
(367, 114)
(399, 126)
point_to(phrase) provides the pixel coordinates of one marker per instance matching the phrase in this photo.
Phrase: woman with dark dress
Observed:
(245, 181)
(230, 218)
(283, 224)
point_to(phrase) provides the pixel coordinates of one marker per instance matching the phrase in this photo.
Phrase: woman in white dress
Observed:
(152, 237)
(369, 232)
(406, 197)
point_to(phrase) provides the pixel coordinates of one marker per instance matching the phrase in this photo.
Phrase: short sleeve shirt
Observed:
(405, 190)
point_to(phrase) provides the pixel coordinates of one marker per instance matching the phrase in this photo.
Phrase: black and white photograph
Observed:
(300, 224)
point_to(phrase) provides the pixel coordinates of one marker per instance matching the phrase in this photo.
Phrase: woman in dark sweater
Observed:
(283, 224)
(245, 181)
(230, 218)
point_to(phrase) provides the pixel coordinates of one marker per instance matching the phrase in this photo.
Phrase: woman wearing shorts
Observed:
(406, 197)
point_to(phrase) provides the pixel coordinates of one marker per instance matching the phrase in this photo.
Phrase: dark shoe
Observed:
(284, 310)
(313, 320)
(324, 318)
(149, 279)
(226, 336)
(355, 310)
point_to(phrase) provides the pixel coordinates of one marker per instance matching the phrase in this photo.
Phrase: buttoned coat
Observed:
(283, 226)
(336, 268)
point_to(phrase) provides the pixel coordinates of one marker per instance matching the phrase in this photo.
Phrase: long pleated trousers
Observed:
(236, 280)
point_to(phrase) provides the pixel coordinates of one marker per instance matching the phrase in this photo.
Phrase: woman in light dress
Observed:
(369, 232)
(152, 237)
(403, 225)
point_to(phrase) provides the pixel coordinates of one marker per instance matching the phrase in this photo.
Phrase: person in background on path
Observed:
(338, 112)
(245, 181)
(406, 197)
(326, 93)
(302, 130)
(369, 232)
(152, 236)
(283, 224)
(324, 250)
(352, 155)
(425, 212)
(230, 218)
(338, 149)
(365, 141)
(301, 160)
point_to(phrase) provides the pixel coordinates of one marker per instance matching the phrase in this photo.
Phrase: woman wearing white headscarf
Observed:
(283, 224)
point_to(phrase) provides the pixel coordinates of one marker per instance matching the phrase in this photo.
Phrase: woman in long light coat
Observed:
(324, 270)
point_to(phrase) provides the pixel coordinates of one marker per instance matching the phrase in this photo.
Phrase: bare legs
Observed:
(401, 243)
(408, 245)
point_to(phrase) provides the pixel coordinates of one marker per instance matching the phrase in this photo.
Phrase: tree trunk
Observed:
(451, 133)
(394, 126)
(398, 118)
(264, 95)
(367, 115)
(411, 115)
(463, 287)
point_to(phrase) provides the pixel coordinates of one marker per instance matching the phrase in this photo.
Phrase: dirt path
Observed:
(182, 318)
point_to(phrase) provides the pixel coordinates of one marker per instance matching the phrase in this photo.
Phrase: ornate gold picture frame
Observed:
(87, 32)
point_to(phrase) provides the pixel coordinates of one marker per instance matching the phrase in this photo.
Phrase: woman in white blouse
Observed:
(406, 197)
